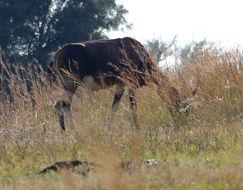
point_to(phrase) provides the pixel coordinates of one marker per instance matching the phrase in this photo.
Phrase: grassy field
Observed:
(204, 150)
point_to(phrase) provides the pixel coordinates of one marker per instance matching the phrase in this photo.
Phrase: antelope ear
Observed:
(194, 92)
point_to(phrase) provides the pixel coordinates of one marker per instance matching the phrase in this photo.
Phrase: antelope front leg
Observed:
(115, 105)
(133, 105)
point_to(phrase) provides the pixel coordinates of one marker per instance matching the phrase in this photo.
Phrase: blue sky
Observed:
(220, 21)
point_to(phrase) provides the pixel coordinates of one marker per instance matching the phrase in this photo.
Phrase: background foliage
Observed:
(32, 29)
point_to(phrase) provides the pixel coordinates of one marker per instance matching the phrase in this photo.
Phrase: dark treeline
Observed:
(32, 29)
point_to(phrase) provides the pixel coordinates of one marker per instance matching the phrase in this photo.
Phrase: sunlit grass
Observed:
(204, 150)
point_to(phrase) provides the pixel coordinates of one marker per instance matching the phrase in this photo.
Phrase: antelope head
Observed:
(188, 103)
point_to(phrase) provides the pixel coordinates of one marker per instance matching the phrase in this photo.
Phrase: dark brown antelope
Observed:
(101, 64)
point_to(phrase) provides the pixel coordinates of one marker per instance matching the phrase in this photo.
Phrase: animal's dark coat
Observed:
(117, 61)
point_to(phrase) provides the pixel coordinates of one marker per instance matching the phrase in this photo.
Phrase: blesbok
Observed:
(101, 64)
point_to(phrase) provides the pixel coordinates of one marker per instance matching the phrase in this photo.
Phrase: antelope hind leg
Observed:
(74, 126)
(62, 107)
(115, 105)
(59, 110)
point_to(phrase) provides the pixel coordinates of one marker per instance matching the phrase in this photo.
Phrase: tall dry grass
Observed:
(204, 152)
